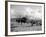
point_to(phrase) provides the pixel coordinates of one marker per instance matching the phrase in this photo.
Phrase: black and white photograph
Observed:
(25, 18)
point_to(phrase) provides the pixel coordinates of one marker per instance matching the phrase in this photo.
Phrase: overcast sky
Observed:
(26, 10)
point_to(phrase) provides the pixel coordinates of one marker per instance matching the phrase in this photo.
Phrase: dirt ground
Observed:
(17, 27)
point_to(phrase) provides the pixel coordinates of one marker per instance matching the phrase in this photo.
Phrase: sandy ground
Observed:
(17, 27)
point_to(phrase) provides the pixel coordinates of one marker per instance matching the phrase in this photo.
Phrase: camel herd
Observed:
(25, 20)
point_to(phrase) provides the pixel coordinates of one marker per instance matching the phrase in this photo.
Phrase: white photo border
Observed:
(29, 32)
